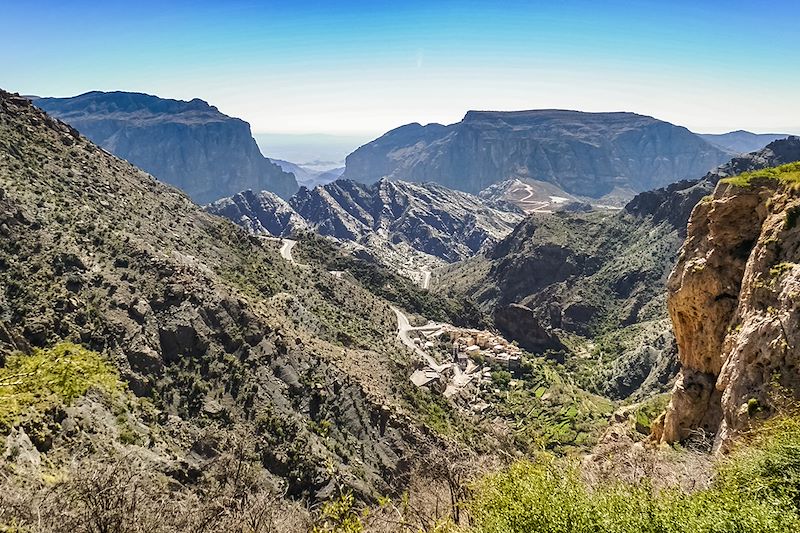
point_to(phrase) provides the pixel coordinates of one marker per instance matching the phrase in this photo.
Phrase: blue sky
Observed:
(366, 67)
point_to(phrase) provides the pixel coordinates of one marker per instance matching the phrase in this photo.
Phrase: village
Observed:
(455, 357)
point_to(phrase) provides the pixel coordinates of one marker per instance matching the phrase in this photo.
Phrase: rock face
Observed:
(191, 145)
(742, 142)
(733, 301)
(424, 218)
(211, 325)
(601, 275)
(588, 154)
(261, 213)
(519, 323)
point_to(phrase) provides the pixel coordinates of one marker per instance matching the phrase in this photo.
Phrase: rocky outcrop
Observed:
(191, 145)
(588, 154)
(260, 213)
(733, 301)
(519, 323)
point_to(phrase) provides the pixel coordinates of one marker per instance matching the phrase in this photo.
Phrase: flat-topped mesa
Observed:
(734, 300)
(587, 154)
(191, 145)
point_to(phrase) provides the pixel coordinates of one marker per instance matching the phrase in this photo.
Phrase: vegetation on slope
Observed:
(49, 378)
(384, 283)
(788, 174)
(755, 490)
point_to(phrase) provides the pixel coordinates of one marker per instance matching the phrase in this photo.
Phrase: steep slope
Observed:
(221, 339)
(191, 145)
(599, 277)
(733, 300)
(588, 154)
(741, 141)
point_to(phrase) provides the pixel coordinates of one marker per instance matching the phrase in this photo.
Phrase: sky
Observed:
(360, 68)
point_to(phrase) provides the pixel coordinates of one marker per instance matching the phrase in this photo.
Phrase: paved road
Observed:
(404, 327)
(426, 279)
(286, 249)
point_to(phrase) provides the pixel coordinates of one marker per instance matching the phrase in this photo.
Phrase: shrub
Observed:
(757, 490)
(51, 377)
(788, 174)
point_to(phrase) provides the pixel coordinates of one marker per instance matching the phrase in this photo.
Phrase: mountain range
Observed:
(587, 154)
(598, 279)
(393, 222)
(164, 369)
(740, 141)
(190, 144)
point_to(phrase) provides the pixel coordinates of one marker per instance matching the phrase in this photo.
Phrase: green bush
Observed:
(768, 467)
(757, 490)
(51, 377)
(788, 174)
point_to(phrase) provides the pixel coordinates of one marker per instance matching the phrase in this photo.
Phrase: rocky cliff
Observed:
(587, 154)
(735, 306)
(191, 145)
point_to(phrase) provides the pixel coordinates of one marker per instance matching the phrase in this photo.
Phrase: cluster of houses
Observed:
(475, 344)
(472, 353)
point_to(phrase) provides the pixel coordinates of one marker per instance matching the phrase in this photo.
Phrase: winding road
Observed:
(404, 327)
(286, 249)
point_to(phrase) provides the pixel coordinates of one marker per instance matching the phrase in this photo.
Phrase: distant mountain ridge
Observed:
(309, 177)
(587, 154)
(741, 141)
(191, 145)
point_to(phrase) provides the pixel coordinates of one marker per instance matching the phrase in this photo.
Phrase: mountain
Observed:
(587, 154)
(149, 332)
(733, 300)
(261, 213)
(598, 278)
(309, 177)
(191, 145)
(397, 223)
(740, 141)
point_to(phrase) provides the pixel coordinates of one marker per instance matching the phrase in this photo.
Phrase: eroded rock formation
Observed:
(733, 299)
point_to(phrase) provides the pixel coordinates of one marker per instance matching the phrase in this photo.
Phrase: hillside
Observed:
(587, 154)
(199, 339)
(190, 145)
(598, 278)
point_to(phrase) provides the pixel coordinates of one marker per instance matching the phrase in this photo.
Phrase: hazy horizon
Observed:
(363, 68)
